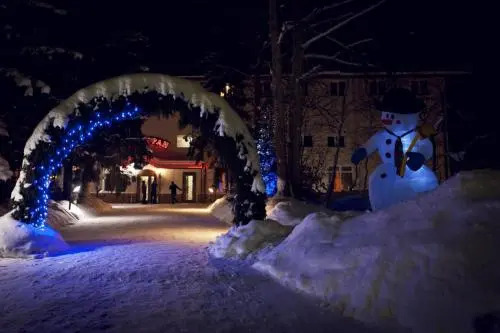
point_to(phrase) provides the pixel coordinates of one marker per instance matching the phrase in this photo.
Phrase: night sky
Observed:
(179, 35)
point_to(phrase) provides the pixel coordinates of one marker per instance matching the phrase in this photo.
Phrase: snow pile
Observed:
(92, 205)
(290, 212)
(59, 216)
(222, 209)
(430, 264)
(243, 240)
(19, 239)
(228, 123)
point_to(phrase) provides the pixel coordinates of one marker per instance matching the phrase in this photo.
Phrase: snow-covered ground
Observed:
(430, 264)
(142, 269)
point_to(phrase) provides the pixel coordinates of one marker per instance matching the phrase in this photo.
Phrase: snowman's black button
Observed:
(388, 155)
(383, 175)
(388, 141)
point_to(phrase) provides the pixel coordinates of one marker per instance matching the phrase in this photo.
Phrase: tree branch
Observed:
(318, 11)
(341, 24)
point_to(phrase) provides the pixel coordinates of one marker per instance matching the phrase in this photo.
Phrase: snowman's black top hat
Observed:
(400, 100)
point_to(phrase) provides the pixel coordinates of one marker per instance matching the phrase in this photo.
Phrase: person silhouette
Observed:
(144, 192)
(154, 186)
(173, 192)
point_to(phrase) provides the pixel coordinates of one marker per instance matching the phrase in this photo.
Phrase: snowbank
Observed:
(243, 240)
(20, 240)
(291, 212)
(59, 216)
(92, 205)
(430, 264)
(222, 209)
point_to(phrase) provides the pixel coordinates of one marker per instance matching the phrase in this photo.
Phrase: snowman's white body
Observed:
(386, 187)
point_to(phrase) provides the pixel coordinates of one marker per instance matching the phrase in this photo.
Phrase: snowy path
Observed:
(138, 270)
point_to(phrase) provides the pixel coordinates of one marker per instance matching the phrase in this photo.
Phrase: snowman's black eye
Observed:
(392, 116)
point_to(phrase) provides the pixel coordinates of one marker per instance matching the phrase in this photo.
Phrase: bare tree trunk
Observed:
(337, 150)
(296, 112)
(278, 96)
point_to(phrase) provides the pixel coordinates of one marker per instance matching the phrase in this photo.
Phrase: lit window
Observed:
(184, 141)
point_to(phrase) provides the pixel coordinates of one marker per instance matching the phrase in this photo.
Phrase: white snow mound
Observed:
(93, 206)
(241, 241)
(291, 211)
(59, 216)
(222, 209)
(18, 239)
(430, 265)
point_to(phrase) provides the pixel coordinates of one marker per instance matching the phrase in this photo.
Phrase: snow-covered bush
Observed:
(430, 265)
(243, 240)
(20, 239)
(222, 209)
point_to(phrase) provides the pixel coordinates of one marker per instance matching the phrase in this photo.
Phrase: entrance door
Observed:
(189, 186)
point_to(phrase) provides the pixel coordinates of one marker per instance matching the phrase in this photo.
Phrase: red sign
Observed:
(157, 144)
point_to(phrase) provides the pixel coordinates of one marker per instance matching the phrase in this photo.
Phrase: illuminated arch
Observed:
(108, 102)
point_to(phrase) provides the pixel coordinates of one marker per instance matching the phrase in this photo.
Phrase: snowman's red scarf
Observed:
(398, 148)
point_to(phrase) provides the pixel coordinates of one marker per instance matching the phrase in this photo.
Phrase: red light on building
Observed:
(157, 144)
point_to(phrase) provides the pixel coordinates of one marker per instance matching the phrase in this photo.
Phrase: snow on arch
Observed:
(228, 123)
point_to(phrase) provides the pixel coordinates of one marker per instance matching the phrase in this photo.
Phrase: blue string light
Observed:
(38, 214)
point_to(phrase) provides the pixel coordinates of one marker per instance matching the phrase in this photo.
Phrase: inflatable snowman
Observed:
(403, 147)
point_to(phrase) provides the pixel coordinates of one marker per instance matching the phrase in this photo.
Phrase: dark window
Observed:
(308, 141)
(334, 89)
(336, 141)
(341, 88)
(376, 88)
(419, 87)
(414, 87)
(347, 182)
(341, 142)
(266, 89)
(372, 89)
(381, 87)
(337, 88)
(424, 90)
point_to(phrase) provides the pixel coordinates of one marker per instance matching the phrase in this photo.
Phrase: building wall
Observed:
(351, 115)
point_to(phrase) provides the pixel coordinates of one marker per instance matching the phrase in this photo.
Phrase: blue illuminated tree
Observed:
(266, 150)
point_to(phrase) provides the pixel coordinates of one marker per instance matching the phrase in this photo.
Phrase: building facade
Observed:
(340, 115)
(169, 163)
